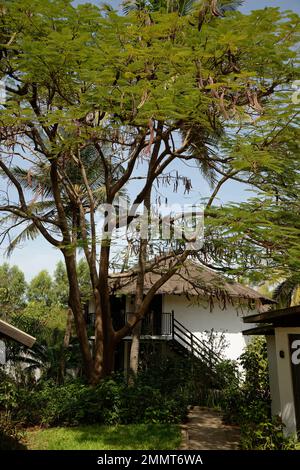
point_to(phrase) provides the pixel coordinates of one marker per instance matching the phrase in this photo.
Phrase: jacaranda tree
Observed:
(91, 93)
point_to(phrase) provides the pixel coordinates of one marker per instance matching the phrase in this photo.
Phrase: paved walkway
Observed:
(205, 430)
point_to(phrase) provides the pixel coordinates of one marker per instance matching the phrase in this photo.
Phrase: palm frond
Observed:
(35, 181)
(30, 232)
(183, 7)
(202, 142)
(283, 293)
(230, 5)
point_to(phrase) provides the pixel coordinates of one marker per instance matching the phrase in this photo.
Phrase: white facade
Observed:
(198, 318)
(2, 352)
(281, 382)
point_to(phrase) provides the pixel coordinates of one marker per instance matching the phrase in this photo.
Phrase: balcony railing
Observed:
(156, 324)
(165, 325)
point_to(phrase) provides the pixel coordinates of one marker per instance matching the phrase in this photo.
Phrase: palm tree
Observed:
(45, 359)
(183, 7)
(287, 293)
(37, 181)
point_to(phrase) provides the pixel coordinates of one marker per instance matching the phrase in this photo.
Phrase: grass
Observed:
(97, 437)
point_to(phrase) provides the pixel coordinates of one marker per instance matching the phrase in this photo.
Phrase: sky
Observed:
(34, 256)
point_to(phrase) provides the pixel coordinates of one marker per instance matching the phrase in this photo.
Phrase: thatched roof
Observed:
(191, 279)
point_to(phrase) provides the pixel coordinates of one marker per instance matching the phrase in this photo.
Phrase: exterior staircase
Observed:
(180, 340)
(185, 343)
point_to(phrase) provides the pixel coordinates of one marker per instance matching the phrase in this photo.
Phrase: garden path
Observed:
(205, 430)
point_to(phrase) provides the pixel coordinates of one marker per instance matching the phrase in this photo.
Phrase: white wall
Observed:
(198, 318)
(273, 375)
(2, 352)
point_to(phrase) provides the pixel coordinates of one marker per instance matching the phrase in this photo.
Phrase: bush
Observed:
(70, 404)
(10, 435)
(255, 363)
(268, 435)
(110, 402)
(145, 404)
(248, 403)
(184, 379)
(8, 393)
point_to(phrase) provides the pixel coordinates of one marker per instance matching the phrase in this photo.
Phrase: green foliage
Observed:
(60, 284)
(147, 404)
(8, 393)
(248, 403)
(45, 360)
(264, 231)
(227, 373)
(40, 289)
(255, 363)
(267, 435)
(249, 400)
(10, 435)
(84, 280)
(183, 7)
(186, 380)
(88, 78)
(47, 319)
(110, 402)
(12, 290)
(178, 377)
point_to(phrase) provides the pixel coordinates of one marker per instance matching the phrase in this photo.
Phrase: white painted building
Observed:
(8, 331)
(199, 319)
(192, 303)
(282, 331)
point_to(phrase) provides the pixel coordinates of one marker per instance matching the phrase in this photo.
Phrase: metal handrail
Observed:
(197, 352)
(195, 340)
(170, 326)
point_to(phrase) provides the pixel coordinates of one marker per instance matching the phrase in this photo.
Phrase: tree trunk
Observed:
(104, 333)
(66, 343)
(104, 342)
(136, 333)
(68, 329)
(75, 305)
(134, 353)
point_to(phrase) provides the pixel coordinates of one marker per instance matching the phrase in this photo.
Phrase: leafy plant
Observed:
(110, 402)
(267, 435)
(10, 434)
(248, 403)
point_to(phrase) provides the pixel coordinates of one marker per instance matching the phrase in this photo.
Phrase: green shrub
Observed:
(255, 363)
(268, 435)
(145, 404)
(248, 403)
(10, 434)
(110, 402)
(70, 404)
(183, 379)
(8, 392)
